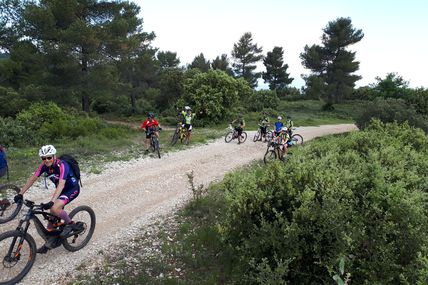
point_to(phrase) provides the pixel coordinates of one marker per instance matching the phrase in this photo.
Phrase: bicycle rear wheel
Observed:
(8, 208)
(297, 139)
(17, 256)
(84, 217)
(243, 137)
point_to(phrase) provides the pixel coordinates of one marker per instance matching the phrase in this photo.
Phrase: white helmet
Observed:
(187, 108)
(47, 150)
(279, 118)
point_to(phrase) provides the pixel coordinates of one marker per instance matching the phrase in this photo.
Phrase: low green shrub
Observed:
(362, 197)
(390, 110)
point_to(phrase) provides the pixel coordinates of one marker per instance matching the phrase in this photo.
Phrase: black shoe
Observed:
(67, 230)
(43, 249)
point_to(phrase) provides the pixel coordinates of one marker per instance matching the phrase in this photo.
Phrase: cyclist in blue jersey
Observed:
(278, 126)
(3, 162)
(67, 188)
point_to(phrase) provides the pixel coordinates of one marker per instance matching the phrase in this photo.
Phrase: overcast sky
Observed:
(396, 31)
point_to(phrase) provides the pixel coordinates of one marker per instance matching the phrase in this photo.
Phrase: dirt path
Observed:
(129, 195)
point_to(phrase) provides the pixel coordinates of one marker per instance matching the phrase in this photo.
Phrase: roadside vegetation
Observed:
(355, 210)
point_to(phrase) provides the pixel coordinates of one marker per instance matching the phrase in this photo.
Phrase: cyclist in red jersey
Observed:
(149, 127)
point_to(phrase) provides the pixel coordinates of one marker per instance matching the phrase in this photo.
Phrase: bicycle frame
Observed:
(24, 224)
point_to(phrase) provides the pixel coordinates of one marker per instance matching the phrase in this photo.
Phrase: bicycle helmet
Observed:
(279, 118)
(47, 150)
(187, 108)
(150, 115)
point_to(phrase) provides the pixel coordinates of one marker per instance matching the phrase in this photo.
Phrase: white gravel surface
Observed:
(129, 195)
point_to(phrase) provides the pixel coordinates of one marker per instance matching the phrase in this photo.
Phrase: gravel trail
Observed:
(128, 195)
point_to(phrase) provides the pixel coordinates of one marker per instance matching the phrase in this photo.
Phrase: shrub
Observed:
(362, 196)
(259, 100)
(12, 133)
(390, 110)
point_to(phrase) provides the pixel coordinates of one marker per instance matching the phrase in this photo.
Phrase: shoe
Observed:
(43, 249)
(67, 230)
(146, 151)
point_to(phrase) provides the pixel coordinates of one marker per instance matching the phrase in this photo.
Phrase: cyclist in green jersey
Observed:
(188, 117)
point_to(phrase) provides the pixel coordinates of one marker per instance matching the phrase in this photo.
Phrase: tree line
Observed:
(95, 56)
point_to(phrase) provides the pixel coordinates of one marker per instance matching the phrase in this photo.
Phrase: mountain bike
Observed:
(8, 208)
(154, 143)
(18, 248)
(232, 134)
(258, 135)
(180, 133)
(274, 150)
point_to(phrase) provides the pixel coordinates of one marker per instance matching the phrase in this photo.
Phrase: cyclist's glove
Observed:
(160, 129)
(47, 206)
(18, 198)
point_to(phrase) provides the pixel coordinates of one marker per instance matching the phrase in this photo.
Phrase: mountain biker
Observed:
(278, 126)
(263, 124)
(188, 117)
(67, 188)
(3, 162)
(289, 124)
(239, 125)
(149, 127)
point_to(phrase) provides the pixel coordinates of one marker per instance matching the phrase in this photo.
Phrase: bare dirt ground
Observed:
(129, 195)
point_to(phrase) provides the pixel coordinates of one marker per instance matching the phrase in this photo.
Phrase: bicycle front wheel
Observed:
(270, 156)
(17, 256)
(157, 147)
(84, 218)
(257, 136)
(8, 208)
(174, 138)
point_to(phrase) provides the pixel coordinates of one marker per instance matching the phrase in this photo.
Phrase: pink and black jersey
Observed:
(58, 170)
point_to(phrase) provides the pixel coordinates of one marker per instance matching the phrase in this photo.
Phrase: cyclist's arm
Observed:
(29, 183)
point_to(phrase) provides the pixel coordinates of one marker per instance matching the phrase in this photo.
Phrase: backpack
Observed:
(73, 164)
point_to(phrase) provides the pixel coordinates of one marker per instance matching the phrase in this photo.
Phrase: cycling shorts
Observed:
(68, 195)
(188, 127)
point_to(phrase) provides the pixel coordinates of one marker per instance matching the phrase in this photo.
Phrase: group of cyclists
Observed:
(151, 126)
(281, 133)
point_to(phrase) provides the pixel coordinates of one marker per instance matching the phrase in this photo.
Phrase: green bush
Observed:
(362, 197)
(259, 100)
(12, 133)
(390, 110)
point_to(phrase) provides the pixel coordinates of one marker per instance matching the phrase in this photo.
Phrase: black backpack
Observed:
(73, 164)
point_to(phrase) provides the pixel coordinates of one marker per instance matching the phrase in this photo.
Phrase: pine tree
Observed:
(222, 63)
(332, 63)
(276, 71)
(200, 63)
(246, 55)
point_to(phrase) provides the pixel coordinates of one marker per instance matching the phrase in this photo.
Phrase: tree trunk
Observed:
(85, 94)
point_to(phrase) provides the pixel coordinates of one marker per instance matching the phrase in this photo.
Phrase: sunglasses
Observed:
(47, 158)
